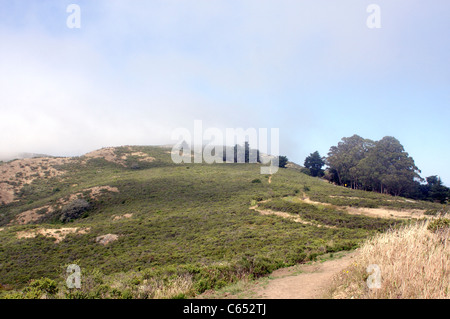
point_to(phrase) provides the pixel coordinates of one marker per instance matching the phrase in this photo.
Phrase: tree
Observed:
(381, 166)
(314, 162)
(242, 154)
(345, 156)
(387, 168)
(282, 161)
(438, 192)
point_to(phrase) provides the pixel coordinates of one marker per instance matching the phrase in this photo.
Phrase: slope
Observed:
(150, 228)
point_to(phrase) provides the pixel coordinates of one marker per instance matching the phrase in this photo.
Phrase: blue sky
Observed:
(136, 70)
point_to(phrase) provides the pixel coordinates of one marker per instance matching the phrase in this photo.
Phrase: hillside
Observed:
(140, 226)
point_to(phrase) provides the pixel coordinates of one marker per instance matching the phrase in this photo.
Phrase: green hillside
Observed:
(175, 230)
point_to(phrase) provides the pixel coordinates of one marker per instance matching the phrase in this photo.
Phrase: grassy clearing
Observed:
(414, 263)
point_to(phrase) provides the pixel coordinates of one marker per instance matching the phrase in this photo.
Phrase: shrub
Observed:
(438, 225)
(256, 180)
(45, 285)
(74, 210)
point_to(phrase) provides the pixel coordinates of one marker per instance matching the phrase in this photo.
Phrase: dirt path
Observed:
(311, 283)
(287, 216)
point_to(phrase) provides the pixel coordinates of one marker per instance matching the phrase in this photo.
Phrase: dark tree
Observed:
(282, 161)
(242, 154)
(74, 210)
(438, 192)
(314, 162)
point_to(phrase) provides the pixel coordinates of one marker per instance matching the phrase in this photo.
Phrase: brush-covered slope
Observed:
(140, 226)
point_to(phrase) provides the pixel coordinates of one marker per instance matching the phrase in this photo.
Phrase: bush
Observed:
(74, 210)
(438, 224)
(45, 285)
(256, 180)
(36, 289)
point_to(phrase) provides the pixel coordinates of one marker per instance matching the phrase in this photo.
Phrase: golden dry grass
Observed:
(414, 263)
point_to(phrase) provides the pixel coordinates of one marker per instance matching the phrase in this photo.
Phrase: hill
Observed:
(140, 226)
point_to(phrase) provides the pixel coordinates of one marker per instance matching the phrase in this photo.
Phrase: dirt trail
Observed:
(311, 283)
(373, 212)
(287, 216)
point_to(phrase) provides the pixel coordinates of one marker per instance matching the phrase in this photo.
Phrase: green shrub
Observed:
(43, 285)
(74, 210)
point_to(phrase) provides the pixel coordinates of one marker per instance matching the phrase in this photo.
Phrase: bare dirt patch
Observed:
(373, 212)
(307, 200)
(58, 233)
(15, 174)
(106, 239)
(109, 154)
(6, 193)
(345, 197)
(286, 216)
(32, 215)
(106, 153)
(143, 157)
(119, 217)
(92, 193)
(35, 214)
(386, 213)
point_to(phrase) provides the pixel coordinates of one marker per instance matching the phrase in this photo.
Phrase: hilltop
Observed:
(141, 226)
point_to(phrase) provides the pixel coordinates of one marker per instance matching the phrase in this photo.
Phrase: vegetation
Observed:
(433, 190)
(382, 166)
(282, 161)
(181, 228)
(242, 154)
(74, 210)
(329, 216)
(413, 261)
(314, 163)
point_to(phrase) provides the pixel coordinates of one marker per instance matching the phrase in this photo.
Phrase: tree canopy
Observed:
(314, 162)
(382, 166)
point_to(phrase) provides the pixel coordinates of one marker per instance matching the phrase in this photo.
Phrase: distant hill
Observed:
(9, 157)
(141, 226)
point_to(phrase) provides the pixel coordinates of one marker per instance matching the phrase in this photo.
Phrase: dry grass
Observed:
(109, 154)
(106, 239)
(36, 214)
(414, 263)
(160, 289)
(58, 233)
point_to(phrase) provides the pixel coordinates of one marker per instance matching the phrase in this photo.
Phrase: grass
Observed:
(328, 216)
(414, 263)
(191, 228)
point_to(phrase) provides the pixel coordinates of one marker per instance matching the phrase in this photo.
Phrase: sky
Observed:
(136, 70)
